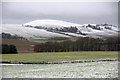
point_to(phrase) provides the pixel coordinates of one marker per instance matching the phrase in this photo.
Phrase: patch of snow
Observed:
(51, 23)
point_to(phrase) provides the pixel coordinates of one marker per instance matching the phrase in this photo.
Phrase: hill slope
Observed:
(85, 30)
(57, 28)
(28, 32)
(51, 23)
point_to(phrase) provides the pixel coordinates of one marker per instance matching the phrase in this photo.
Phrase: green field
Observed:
(45, 40)
(59, 56)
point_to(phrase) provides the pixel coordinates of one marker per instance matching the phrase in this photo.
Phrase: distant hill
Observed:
(56, 28)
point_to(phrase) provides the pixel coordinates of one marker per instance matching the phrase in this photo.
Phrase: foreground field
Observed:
(59, 56)
(69, 70)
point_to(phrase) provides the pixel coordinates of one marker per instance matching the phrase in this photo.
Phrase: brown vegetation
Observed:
(22, 45)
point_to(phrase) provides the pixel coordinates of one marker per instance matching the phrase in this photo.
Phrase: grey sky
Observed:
(76, 12)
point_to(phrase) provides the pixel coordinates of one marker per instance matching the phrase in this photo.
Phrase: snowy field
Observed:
(70, 70)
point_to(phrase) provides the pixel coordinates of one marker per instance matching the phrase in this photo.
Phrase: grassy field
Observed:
(59, 56)
(46, 40)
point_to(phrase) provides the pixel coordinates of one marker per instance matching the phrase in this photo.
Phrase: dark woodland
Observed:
(81, 44)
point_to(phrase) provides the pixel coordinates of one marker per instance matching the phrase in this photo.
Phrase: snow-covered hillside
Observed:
(57, 28)
(91, 30)
(28, 32)
(50, 23)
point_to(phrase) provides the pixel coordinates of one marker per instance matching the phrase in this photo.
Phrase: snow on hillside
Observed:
(51, 23)
(28, 32)
(56, 28)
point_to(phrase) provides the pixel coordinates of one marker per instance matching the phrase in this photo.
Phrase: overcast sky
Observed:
(77, 12)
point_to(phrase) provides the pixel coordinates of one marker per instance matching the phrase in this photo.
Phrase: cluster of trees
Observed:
(68, 29)
(64, 29)
(106, 27)
(97, 27)
(82, 44)
(94, 27)
(9, 36)
(8, 49)
(111, 44)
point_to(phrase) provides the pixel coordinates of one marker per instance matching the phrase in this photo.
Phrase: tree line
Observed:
(81, 44)
(8, 49)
